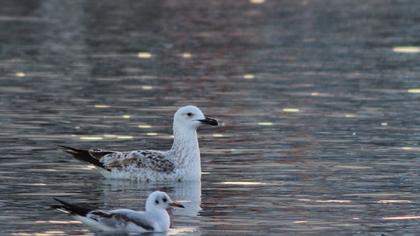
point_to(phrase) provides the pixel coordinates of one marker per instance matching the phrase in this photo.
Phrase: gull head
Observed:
(160, 200)
(191, 117)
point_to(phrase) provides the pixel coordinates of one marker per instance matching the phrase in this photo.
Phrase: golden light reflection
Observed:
(265, 123)
(88, 167)
(151, 134)
(101, 106)
(51, 232)
(416, 90)
(406, 49)
(64, 222)
(407, 148)
(124, 137)
(394, 201)
(218, 135)
(144, 55)
(181, 230)
(243, 183)
(147, 87)
(91, 138)
(248, 76)
(407, 217)
(126, 116)
(20, 74)
(315, 94)
(45, 233)
(333, 201)
(325, 201)
(291, 110)
(144, 126)
(304, 200)
(257, 1)
(37, 184)
(110, 136)
(349, 115)
(186, 55)
(353, 167)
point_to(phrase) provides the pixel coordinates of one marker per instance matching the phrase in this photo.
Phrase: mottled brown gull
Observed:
(181, 163)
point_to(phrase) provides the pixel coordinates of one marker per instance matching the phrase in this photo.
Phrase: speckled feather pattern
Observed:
(154, 160)
(145, 165)
(181, 162)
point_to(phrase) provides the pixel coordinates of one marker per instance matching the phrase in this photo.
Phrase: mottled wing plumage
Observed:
(153, 160)
(157, 161)
(99, 153)
(120, 218)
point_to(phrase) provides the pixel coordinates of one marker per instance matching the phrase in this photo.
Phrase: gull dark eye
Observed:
(157, 202)
(164, 200)
(189, 114)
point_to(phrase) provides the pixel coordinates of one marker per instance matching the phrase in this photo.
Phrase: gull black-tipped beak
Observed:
(209, 121)
(176, 204)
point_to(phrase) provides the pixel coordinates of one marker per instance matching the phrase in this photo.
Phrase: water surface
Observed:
(317, 101)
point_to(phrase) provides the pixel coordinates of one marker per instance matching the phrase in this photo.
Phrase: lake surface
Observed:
(318, 101)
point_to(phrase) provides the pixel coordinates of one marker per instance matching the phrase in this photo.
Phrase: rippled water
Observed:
(318, 102)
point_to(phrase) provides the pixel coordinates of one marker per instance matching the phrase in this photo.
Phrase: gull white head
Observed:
(191, 117)
(160, 200)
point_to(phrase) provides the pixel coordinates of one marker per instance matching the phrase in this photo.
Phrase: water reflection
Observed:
(344, 159)
(144, 55)
(414, 91)
(186, 55)
(249, 76)
(406, 49)
(20, 74)
(188, 193)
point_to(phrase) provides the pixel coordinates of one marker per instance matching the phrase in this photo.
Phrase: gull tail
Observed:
(70, 208)
(83, 155)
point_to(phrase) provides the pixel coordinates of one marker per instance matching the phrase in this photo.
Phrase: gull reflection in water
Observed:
(127, 192)
(140, 234)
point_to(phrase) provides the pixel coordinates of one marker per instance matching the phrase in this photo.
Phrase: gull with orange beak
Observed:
(155, 218)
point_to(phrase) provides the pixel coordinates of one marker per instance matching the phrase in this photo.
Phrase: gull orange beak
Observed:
(176, 204)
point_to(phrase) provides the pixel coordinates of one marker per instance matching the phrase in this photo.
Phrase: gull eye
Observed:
(189, 114)
(164, 200)
(157, 202)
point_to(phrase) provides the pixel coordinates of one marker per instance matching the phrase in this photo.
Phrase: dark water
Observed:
(320, 120)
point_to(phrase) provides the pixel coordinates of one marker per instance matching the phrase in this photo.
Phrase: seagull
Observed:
(181, 163)
(154, 219)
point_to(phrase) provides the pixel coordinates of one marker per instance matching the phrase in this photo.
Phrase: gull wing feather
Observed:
(153, 160)
(121, 217)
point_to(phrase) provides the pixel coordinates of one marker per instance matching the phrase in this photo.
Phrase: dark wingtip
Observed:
(70, 208)
(58, 207)
(60, 201)
(83, 155)
(68, 149)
